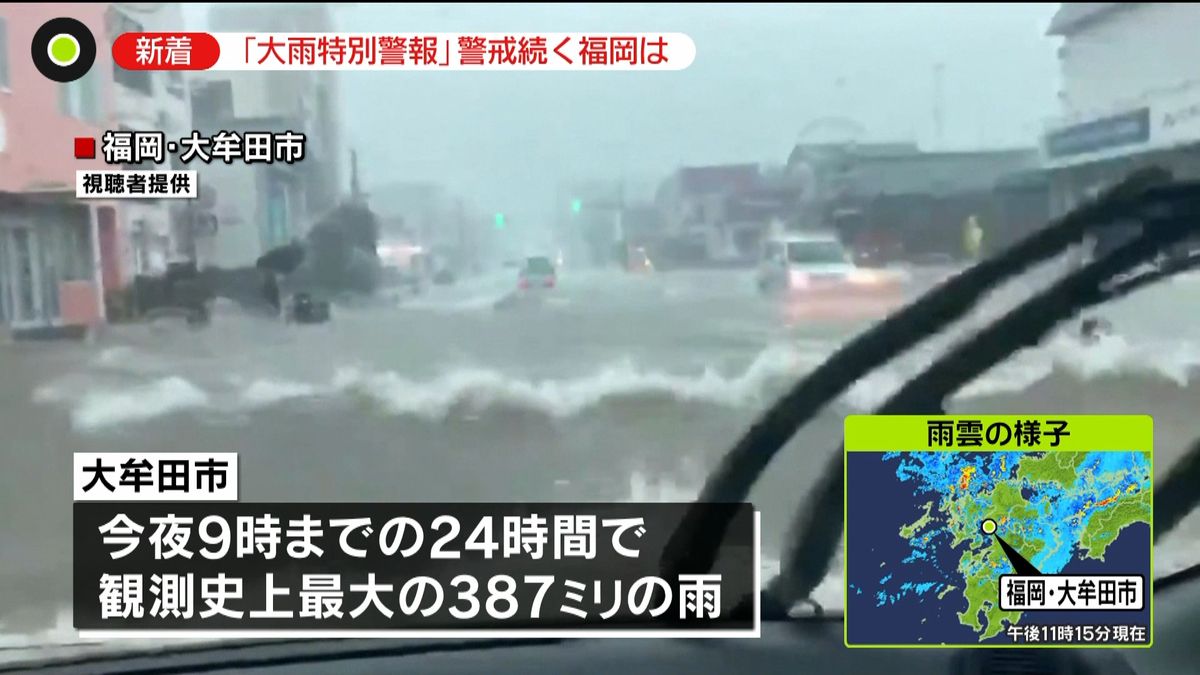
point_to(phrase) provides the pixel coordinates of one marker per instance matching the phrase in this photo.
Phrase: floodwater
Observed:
(613, 387)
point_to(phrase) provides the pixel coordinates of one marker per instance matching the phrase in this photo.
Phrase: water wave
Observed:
(472, 391)
(107, 407)
(479, 389)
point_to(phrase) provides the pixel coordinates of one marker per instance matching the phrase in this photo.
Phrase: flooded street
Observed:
(614, 387)
(440, 253)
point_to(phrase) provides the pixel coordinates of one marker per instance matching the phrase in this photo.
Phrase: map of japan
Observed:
(926, 537)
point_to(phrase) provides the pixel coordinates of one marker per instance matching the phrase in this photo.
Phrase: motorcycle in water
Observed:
(305, 309)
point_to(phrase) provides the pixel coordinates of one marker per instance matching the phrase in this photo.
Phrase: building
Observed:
(427, 215)
(722, 213)
(587, 219)
(686, 197)
(642, 225)
(152, 233)
(249, 209)
(1021, 207)
(693, 203)
(253, 207)
(415, 209)
(52, 271)
(901, 198)
(246, 209)
(1130, 96)
(823, 169)
(312, 96)
(859, 171)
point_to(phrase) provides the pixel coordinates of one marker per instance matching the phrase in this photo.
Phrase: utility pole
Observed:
(840, 101)
(620, 225)
(939, 72)
(356, 195)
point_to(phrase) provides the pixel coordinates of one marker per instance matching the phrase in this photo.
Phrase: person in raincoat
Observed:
(972, 237)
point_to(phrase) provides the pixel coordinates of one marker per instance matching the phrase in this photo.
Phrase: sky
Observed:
(763, 73)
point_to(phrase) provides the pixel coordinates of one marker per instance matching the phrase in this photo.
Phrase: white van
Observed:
(798, 261)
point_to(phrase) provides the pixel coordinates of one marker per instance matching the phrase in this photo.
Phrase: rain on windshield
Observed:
(411, 365)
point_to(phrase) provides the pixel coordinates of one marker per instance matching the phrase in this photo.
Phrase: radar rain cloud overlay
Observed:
(930, 530)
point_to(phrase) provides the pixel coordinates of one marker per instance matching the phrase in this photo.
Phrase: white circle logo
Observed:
(63, 49)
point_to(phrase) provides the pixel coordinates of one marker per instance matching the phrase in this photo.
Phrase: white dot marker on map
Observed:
(988, 526)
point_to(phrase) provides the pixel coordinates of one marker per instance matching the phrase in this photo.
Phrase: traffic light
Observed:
(499, 221)
(576, 205)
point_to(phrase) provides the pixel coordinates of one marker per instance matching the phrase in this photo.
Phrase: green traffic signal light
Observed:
(499, 221)
(576, 205)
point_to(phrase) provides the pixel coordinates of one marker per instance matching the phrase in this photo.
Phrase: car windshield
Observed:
(816, 252)
(132, 323)
(540, 266)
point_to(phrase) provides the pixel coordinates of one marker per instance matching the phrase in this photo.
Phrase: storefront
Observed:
(1084, 158)
(48, 270)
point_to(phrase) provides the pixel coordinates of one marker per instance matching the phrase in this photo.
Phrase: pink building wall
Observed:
(39, 151)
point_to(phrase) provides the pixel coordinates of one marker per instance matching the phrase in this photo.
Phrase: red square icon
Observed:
(85, 148)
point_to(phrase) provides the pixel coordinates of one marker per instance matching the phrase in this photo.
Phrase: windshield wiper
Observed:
(1168, 269)
(694, 545)
(817, 528)
(1178, 494)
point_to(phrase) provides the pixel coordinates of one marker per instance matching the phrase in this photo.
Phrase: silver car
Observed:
(538, 273)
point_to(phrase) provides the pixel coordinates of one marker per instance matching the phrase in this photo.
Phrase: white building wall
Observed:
(1110, 64)
(313, 96)
(269, 94)
(1139, 56)
(166, 109)
(251, 93)
(237, 241)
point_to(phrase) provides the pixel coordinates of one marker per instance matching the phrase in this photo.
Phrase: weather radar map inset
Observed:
(993, 531)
